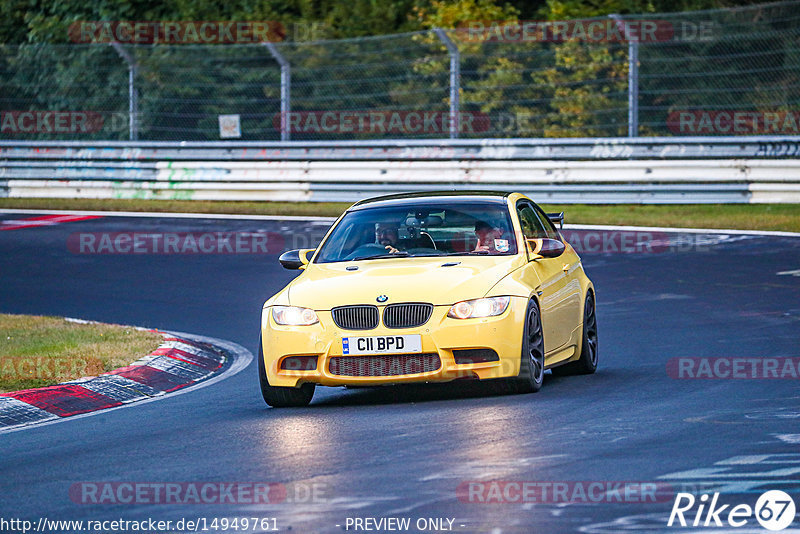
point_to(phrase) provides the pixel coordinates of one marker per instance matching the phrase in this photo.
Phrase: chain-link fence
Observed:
(733, 71)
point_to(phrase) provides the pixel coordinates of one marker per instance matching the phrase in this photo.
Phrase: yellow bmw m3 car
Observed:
(430, 287)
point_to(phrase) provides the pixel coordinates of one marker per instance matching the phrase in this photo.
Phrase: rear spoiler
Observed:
(557, 218)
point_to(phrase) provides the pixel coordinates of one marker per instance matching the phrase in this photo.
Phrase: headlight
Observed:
(294, 316)
(471, 309)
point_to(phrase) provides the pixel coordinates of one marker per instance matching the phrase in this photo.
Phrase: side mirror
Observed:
(295, 259)
(545, 247)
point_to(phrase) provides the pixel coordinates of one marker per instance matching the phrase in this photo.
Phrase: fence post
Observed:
(633, 77)
(286, 89)
(133, 96)
(455, 80)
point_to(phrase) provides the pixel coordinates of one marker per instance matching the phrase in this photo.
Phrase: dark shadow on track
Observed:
(459, 389)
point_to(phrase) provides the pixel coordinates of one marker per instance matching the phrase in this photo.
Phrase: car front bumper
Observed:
(441, 335)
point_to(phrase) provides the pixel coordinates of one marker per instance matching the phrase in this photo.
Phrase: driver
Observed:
(488, 236)
(386, 235)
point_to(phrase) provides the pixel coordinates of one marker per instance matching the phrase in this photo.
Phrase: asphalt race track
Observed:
(405, 452)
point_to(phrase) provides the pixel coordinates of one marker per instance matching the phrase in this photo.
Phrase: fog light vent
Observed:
(299, 363)
(467, 356)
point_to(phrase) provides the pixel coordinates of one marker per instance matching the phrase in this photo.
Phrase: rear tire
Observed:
(281, 397)
(531, 367)
(587, 363)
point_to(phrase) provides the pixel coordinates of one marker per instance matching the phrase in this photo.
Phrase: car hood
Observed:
(323, 286)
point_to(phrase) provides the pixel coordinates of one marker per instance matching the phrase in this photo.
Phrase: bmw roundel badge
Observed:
(382, 298)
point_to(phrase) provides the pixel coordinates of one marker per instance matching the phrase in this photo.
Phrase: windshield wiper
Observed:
(398, 254)
(429, 254)
(482, 252)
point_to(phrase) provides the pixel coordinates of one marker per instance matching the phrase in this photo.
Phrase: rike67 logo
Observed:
(774, 510)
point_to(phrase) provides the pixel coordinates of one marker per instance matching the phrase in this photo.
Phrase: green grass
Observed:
(326, 209)
(739, 216)
(40, 351)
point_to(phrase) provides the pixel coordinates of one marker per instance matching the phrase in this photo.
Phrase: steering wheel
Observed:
(365, 250)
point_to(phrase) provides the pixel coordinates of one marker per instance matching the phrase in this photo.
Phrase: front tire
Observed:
(587, 363)
(281, 397)
(531, 367)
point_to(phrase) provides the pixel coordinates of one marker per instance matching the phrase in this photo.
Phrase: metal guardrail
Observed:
(567, 194)
(439, 149)
(618, 170)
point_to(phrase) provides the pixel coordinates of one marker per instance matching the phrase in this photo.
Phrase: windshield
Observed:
(479, 228)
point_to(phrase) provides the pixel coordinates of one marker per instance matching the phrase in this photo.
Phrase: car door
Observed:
(548, 277)
(571, 314)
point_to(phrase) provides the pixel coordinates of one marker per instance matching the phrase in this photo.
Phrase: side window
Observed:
(549, 227)
(531, 225)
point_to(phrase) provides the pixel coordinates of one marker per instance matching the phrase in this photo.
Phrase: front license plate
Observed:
(382, 345)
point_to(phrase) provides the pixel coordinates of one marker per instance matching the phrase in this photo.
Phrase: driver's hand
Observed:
(391, 250)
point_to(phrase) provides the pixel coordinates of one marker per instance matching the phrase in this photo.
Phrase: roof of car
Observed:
(432, 196)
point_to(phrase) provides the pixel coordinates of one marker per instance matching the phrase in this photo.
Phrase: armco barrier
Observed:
(645, 170)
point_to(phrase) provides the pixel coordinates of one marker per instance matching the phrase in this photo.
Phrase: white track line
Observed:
(679, 230)
(172, 215)
(241, 359)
